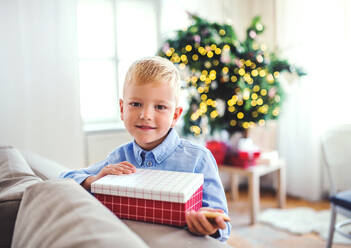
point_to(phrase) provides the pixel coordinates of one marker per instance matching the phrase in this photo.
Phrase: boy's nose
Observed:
(146, 113)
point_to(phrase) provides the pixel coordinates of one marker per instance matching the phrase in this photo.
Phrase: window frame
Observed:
(115, 123)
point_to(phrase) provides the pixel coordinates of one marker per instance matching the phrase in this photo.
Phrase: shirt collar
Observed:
(162, 151)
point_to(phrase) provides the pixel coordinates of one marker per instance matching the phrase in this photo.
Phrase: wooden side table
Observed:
(253, 174)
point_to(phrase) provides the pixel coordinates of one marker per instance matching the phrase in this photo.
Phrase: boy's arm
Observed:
(81, 175)
(213, 192)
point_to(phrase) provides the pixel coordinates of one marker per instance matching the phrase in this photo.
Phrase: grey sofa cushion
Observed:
(63, 214)
(15, 177)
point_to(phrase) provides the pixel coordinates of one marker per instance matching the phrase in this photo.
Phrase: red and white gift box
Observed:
(155, 196)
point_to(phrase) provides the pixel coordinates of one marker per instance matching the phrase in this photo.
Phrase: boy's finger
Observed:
(196, 226)
(206, 225)
(128, 164)
(189, 223)
(220, 222)
(114, 171)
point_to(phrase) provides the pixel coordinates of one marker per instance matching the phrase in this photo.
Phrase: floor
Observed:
(263, 236)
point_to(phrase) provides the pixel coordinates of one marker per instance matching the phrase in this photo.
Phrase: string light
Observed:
(240, 115)
(259, 26)
(254, 73)
(262, 73)
(201, 50)
(226, 47)
(241, 71)
(259, 101)
(208, 64)
(195, 129)
(246, 125)
(276, 111)
(188, 48)
(214, 114)
(232, 123)
(270, 78)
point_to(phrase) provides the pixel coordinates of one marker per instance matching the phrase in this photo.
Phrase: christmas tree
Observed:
(234, 85)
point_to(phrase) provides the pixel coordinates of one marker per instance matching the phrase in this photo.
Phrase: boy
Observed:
(149, 110)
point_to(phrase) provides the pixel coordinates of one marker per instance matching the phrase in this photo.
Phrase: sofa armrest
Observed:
(43, 167)
(60, 213)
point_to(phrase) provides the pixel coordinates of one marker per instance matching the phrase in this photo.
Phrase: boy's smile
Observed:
(149, 111)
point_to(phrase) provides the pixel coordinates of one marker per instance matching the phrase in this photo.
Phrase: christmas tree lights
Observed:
(234, 85)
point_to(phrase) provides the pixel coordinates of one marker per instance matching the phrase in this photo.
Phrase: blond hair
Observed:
(153, 69)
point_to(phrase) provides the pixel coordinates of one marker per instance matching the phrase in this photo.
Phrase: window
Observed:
(111, 35)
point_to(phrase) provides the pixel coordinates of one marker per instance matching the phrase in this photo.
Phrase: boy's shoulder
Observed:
(187, 144)
(123, 148)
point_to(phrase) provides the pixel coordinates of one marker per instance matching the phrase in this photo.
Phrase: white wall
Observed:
(100, 144)
(39, 90)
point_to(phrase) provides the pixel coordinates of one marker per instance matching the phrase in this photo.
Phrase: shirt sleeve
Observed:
(213, 192)
(81, 174)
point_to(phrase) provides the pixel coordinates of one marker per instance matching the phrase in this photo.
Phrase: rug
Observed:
(302, 221)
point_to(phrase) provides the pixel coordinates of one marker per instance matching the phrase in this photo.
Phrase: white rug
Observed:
(302, 221)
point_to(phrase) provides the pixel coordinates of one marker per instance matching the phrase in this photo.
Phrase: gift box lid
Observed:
(171, 186)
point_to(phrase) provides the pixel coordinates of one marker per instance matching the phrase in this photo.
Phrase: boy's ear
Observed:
(121, 108)
(177, 113)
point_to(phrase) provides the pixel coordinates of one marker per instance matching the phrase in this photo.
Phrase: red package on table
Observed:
(154, 196)
(218, 150)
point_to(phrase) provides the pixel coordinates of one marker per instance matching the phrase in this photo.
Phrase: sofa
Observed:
(39, 210)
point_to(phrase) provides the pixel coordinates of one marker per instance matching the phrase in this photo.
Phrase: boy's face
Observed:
(149, 111)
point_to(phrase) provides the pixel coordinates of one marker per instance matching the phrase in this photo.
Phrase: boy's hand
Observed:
(200, 225)
(117, 169)
(111, 169)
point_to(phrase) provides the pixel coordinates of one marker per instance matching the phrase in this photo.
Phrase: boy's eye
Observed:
(135, 104)
(160, 107)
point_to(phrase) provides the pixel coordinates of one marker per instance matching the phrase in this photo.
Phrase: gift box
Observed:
(246, 154)
(244, 159)
(154, 196)
(218, 150)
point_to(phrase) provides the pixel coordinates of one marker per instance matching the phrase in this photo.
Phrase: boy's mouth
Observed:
(144, 127)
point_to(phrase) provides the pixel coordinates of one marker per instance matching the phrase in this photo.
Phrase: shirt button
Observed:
(149, 163)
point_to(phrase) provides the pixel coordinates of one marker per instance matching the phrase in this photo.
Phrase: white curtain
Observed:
(317, 36)
(39, 89)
